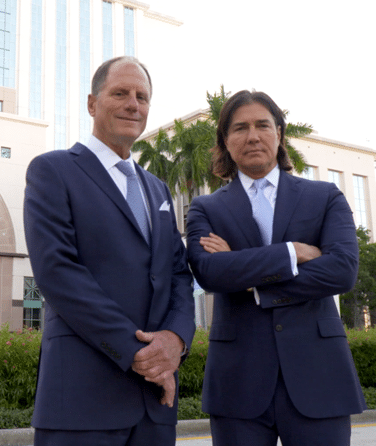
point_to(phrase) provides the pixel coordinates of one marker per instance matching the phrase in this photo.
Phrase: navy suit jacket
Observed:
(296, 328)
(101, 282)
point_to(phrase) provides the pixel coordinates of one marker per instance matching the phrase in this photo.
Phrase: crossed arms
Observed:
(326, 248)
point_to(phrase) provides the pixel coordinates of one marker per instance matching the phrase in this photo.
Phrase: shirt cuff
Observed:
(293, 258)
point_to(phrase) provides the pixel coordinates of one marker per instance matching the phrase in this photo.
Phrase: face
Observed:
(121, 108)
(253, 140)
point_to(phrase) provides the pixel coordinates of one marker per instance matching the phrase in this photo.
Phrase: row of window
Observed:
(359, 185)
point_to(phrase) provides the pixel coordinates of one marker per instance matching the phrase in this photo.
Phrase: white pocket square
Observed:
(165, 206)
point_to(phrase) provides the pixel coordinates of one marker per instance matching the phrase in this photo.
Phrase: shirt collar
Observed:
(272, 177)
(106, 155)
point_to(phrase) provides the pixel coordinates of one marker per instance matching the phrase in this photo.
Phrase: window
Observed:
(334, 177)
(5, 152)
(33, 304)
(107, 30)
(360, 201)
(129, 31)
(35, 98)
(8, 29)
(61, 75)
(309, 173)
(85, 121)
(1, 106)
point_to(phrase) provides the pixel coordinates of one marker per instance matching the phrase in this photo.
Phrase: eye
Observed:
(142, 98)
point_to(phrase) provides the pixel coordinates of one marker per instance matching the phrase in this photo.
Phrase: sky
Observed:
(314, 58)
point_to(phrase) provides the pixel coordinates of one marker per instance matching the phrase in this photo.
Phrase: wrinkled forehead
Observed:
(129, 63)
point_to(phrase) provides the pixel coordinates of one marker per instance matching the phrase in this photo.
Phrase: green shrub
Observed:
(370, 397)
(190, 409)
(191, 372)
(19, 355)
(363, 348)
(15, 418)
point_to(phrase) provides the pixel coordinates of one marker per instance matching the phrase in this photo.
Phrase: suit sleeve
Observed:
(335, 272)
(233, 271)
(68, 286)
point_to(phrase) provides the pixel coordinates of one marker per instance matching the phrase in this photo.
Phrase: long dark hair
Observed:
(222, 163)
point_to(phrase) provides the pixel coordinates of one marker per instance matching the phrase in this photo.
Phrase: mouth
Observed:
(254, 152)
(124, 118)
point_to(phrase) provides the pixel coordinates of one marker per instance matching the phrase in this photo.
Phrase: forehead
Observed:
(251, 113)
(127, 74)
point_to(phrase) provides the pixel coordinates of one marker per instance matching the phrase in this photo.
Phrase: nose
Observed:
(253, 134)
(131, 103)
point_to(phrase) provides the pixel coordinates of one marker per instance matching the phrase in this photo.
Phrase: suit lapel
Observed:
(237, 202)
(90, 164)
(287, 199)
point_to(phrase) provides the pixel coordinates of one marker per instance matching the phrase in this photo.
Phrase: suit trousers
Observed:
(281, 420)
(146, 432)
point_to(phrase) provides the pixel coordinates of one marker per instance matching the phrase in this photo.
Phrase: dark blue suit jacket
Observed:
(297, 327)
(101, 282)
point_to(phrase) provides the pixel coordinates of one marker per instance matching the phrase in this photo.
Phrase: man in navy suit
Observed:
(119, 312)
(274, 249)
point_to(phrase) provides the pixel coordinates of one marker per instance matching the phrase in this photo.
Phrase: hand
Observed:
(169, 389)
(158, 361)
(214, 243)
(305, 253)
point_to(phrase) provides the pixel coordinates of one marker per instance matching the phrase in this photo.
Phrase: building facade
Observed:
(49, 50)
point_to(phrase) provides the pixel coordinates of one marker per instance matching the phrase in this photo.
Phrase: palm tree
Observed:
(158, 156)
(191, 164)
(296, 131)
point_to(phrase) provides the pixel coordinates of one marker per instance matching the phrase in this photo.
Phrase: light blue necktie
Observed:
(134, 198)
(262, 211)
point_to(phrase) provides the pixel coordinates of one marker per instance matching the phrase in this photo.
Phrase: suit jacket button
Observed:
(278, 328)
(152, 277)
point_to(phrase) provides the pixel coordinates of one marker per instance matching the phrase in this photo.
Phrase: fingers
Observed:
(214, 243)
(160, 358)
(305, 253)
(169, 389)
(143, 336)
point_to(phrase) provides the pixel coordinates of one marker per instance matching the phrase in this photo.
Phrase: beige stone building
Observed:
(49, 50)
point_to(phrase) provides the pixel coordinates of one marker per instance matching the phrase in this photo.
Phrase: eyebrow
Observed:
(246, 123)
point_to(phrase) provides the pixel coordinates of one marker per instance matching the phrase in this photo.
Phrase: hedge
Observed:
(19, 354)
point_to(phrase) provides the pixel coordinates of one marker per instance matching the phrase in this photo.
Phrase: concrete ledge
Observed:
(368, 416)
(16, 437)
(185, 428)
(192, 428)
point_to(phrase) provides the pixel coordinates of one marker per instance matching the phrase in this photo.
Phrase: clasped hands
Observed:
(158, 361)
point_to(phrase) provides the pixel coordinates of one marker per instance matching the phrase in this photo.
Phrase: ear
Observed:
(91, 104)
